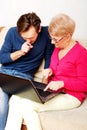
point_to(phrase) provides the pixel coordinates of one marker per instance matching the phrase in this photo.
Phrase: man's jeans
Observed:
(4, 98)
(3, 108)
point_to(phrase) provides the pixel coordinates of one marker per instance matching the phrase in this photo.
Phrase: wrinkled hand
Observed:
(26, 47)
(54, 85)
(46, 74)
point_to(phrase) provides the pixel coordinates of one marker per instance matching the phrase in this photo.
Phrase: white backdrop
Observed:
(10, 11)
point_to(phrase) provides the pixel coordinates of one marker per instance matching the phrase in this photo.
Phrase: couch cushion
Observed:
(75, 119)
(38, 75)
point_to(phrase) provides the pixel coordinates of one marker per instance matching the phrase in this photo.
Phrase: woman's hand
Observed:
(46, 74)
(54, 85)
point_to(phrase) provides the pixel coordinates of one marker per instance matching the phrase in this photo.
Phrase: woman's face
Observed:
(60, 41)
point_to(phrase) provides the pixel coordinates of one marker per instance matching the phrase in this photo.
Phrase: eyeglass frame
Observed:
(56, 40)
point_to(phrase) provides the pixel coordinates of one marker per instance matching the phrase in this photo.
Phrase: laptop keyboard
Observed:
(41, 86)
(43, 94)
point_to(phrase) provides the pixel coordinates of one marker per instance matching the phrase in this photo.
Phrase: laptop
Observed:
(12, 84)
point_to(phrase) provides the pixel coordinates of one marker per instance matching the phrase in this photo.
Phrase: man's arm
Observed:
(48, 53)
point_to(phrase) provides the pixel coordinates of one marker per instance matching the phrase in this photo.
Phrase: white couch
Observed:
(75, 119)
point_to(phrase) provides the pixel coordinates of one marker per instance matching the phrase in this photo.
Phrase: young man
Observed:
(22, 52)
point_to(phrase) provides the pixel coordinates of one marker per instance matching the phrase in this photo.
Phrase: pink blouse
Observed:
(72, 69)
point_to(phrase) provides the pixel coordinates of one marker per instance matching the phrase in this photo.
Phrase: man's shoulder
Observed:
(44, 29)
(13, 28)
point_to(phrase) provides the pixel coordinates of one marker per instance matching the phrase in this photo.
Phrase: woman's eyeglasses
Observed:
(56, 40)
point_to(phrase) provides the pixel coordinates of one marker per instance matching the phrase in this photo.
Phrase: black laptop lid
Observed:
(12, 84)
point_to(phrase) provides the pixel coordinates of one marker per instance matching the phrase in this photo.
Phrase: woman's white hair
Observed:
(61, 25)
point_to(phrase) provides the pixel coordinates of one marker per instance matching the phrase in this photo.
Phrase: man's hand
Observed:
(26, 47)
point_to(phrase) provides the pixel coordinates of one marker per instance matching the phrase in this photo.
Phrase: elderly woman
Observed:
(67, 71)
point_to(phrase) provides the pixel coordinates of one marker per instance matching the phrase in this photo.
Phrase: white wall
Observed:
(10, 10)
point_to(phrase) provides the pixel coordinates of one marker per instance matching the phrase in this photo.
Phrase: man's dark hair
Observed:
(27, 20)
